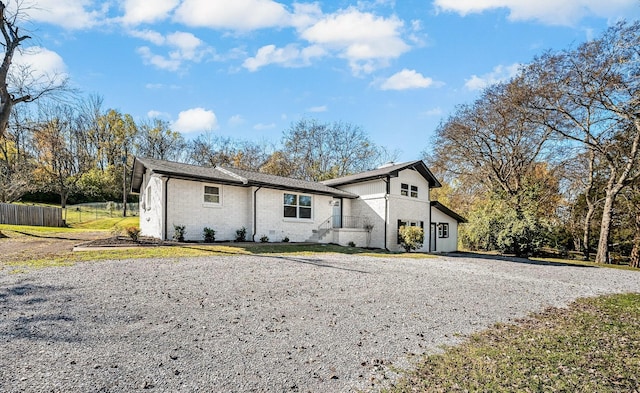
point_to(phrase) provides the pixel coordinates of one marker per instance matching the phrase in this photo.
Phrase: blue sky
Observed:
(247, 69)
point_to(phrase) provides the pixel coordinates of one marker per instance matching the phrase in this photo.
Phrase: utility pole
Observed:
(124, 184)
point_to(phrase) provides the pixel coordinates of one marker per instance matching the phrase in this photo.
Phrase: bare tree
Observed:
(327, 150)
(21, 83)
(155, 139)
(591, 97)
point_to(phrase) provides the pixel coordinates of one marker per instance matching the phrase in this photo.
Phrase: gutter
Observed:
(386, 209)
(166, 208)
(255, 213)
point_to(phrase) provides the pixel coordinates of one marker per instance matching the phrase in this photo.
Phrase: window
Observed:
(212, 195)
(404, 190)
(443, 230)
(402, 223)
(147, 198)
(297, 206)
(414, 191)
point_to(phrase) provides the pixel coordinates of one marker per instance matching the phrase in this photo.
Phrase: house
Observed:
(366, 209)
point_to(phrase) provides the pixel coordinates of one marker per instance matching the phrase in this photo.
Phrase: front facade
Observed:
(366, 209)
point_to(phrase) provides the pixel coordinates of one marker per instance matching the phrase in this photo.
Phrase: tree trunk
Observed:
(587, 231)
(602, 256)
(634, 261)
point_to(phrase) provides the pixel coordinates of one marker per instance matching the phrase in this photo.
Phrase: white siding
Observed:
(186, 207)
(448, 244)
(151, 216)
(372, 187)
(272, 223)
(407, 209)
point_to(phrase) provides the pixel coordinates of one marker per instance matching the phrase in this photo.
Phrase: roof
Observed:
(230, 176)
(383, 172)
(448, 211)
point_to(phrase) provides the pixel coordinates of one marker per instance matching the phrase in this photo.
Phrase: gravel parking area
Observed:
(322, 323)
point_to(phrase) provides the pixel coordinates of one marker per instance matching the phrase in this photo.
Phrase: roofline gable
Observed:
(386, 171)
(448, 211)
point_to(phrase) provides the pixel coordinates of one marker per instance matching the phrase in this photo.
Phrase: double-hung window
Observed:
(297, 206)
(404, 190)
(212, 195)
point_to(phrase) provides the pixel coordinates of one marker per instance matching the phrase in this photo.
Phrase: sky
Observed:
(248, 69)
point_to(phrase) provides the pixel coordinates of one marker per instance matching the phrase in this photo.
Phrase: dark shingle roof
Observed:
(230, 176)
(389, 170)
(448, 211)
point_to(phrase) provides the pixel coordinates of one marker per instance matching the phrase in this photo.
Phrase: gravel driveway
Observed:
(325, 323)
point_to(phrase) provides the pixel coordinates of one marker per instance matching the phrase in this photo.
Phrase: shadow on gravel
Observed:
(29, 314)
(515, 259)
(314, 262)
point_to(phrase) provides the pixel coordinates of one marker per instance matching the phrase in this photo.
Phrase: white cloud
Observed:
(318, 109)
(367, 41)
(236, 120)
(145, 11)
(406, 79)
(152, 114)
(289, 56)
(565, 12)
(158, 60)
(243, 15)
(262, 127)
(183, 47)
(437, 111)
(39, 65)
(69, 14)
(149, 35)
(196, 120)
(499, 73)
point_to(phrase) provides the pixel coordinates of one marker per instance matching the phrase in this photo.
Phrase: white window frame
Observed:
(205, 193)
(298, 207)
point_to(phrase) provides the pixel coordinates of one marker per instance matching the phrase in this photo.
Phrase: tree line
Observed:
(84, 152)
(550, 158)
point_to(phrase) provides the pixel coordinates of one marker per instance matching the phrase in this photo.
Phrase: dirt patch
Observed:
(20, 246)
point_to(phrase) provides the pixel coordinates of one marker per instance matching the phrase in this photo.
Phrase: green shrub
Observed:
(411, 238)
(285, 239)
(241, 234)
(264, 239)
(209, 235)
(133, 233)
(178, 232)
(352, 244)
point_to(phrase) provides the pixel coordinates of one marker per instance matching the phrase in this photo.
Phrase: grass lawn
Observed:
(591, 346)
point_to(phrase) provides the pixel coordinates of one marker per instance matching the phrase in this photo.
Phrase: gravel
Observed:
(321, 323)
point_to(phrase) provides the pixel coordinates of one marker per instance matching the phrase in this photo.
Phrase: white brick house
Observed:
(365, 209)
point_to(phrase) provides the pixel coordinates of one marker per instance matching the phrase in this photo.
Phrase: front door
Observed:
(432, 237)
(337, 214)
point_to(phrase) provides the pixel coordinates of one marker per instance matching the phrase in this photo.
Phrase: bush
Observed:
(411, 238)
(133, 233)
(241, 234)
(209, 235)
(352, 244)
(285, 239)
(178, 232)
(264, 239)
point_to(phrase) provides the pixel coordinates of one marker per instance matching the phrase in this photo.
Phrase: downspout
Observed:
(166, 209)
(386, 209)
(255, 213)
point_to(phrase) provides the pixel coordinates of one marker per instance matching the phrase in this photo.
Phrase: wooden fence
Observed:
(31, 215)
